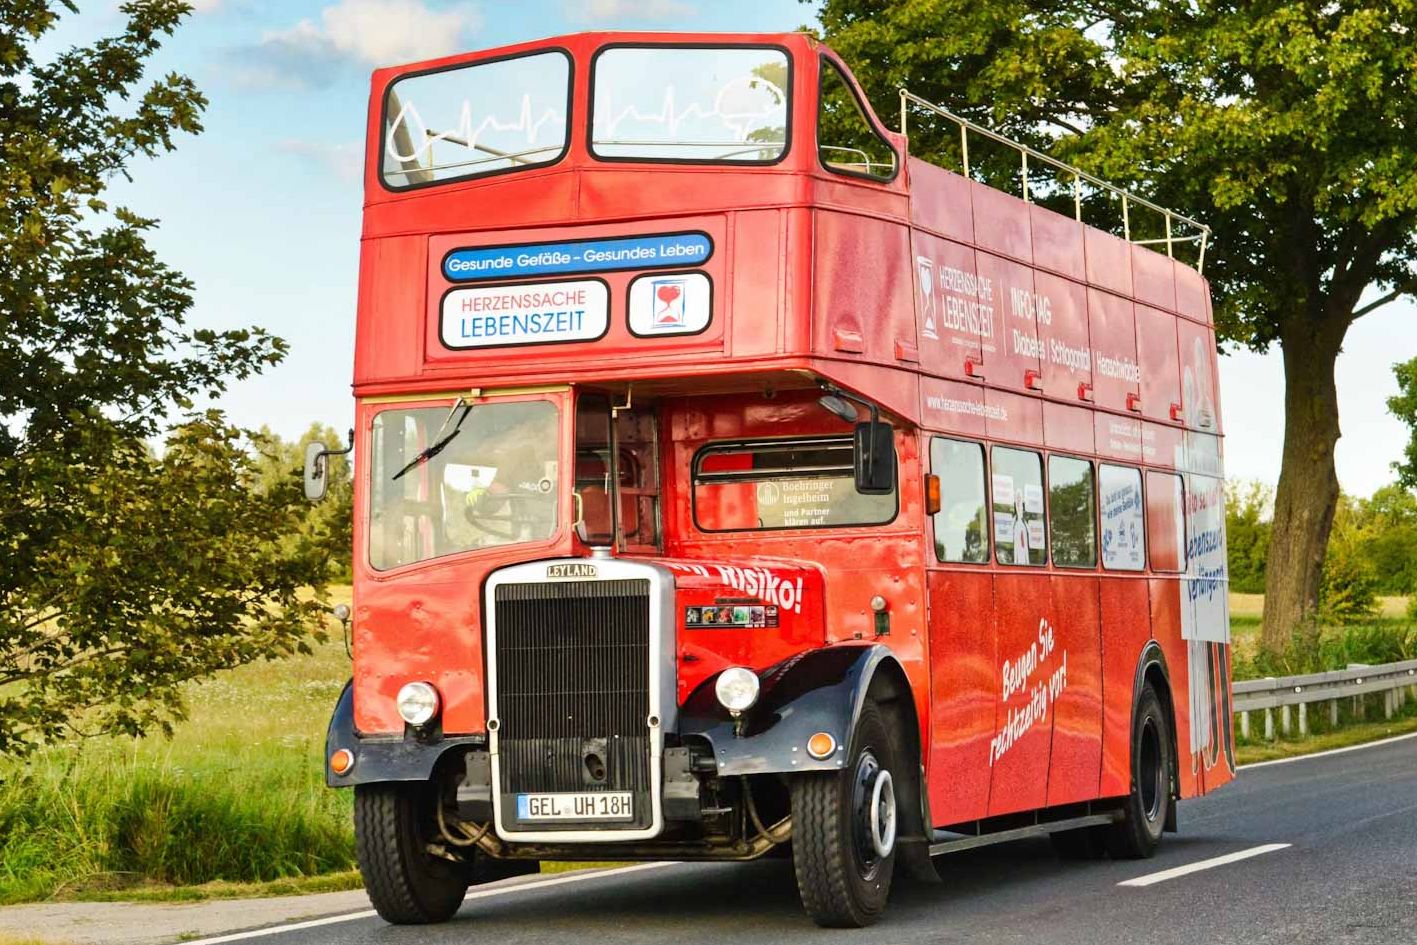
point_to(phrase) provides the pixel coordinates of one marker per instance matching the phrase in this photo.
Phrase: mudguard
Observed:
(404, 757)
(815, 691)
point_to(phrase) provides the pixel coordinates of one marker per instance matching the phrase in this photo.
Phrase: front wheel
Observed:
(844, 828)
(1138, 832)
(393, 824)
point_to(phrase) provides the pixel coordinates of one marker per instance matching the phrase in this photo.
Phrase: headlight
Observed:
(418, 703)
(737, 689)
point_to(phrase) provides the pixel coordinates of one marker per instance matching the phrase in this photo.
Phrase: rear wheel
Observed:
(393, 825)
(844, 828)
(1137, 834)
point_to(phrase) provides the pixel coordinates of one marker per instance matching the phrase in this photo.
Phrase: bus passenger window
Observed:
(962, 524)
(1072, 512)
(772, 484)
(471, 120)
(1166, 521)
(1019, 533)
(846, 142)
(727, 104)
(1123, 534)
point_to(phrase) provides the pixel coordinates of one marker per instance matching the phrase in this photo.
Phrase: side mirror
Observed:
(317, 482)
(317, 467)
(873, 456)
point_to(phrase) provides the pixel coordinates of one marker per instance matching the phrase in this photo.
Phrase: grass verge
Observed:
(1355, 734)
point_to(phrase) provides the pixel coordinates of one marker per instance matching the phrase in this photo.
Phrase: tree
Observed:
(330, 522)
(124, 570)
(1404, 408)
(1247, 534)
(1389, 538)
(1287, 127)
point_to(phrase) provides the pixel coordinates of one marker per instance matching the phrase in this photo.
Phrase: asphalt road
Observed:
(1348, 875)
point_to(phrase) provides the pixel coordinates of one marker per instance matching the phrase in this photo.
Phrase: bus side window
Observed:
(962, 524)
(1166, 521)
(846, 142)
(1020, 536)
(1123, 528)
(1072, 512)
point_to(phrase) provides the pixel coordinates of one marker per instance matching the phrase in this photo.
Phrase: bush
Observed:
(1335, 648)
(1349, 592)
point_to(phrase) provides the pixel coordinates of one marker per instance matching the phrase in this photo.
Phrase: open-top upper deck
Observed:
(724, 212)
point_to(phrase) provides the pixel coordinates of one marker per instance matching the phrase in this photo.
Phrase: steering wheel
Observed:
(499, 513)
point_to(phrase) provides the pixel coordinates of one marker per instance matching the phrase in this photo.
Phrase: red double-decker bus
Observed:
(730, 484)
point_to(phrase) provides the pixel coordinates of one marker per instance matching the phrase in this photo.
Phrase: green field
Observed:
(237, 793)
(236, 797)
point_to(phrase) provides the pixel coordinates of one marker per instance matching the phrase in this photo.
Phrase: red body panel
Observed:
(960, 310)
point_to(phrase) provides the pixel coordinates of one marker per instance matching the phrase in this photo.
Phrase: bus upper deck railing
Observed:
(1201, 236)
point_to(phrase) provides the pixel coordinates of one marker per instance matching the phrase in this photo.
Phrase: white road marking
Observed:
(1331, 751)
(1161, 877)
(475, 894)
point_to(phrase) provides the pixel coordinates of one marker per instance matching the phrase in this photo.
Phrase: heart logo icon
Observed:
(668, 293)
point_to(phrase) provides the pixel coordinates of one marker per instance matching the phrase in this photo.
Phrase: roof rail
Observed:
(1201, 236)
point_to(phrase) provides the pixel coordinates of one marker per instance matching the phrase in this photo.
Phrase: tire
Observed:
(843, 877)
(1136, 835)
(407, 884)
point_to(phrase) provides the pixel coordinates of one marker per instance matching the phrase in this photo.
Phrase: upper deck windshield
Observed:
(694, 104)
(469, 121)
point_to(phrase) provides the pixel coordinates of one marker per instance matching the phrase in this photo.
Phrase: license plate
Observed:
(578, 806)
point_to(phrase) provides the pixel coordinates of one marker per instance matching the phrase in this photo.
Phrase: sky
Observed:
(262, 210)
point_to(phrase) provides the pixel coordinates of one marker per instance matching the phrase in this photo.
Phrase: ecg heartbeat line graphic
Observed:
(465, 134)
(741, 122)
(739, 117)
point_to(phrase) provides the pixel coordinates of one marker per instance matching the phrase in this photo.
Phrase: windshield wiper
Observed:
(436, 447)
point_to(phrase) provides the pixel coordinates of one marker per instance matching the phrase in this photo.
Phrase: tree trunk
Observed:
(1307, 495)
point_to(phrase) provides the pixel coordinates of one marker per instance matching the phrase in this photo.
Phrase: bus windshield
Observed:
(474, 120)
(476, 476)
(691, 104)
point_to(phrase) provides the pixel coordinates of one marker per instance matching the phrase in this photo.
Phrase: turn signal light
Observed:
(821, 746)
(342, 761)
(932, 494)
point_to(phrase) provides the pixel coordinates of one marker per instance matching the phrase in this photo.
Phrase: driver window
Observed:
(846, 141)
(593, 469)
(631, 481)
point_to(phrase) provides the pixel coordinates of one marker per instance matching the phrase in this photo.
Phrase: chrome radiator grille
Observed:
(572, 664)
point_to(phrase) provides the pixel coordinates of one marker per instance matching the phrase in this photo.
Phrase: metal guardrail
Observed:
(1201, 234)
(1285, 693)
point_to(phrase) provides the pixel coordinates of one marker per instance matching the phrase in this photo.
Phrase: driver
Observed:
(500, 507)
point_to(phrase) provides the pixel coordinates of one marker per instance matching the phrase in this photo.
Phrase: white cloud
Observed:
(601, 10)
(370, 33)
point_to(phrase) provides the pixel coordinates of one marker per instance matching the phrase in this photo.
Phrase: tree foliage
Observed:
(124, 570)
(1404, 408)
(1288, 127)
(1349, 592)
(328, 523)
(1248, 510)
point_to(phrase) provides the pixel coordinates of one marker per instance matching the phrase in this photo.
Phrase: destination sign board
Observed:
(610, 254)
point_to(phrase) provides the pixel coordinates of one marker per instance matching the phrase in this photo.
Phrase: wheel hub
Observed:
(873, 813)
